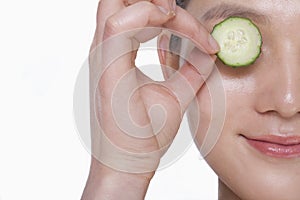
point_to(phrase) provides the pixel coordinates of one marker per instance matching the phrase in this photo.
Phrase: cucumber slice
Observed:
(240, 41)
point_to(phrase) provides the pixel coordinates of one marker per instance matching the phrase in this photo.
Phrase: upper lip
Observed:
(275, 139)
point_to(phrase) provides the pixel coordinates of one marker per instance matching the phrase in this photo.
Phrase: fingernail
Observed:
(214, 44)
(167, 12)
(172, 5)
(172, 13)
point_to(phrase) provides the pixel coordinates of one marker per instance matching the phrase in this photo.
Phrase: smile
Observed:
(276, 146)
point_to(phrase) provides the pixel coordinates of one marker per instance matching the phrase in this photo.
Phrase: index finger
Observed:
(193, 30)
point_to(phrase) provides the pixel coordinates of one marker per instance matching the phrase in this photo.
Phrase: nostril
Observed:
(284, 103)
(288, 110)
(282, 110)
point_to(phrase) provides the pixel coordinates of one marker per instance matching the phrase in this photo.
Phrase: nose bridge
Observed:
(286, 88)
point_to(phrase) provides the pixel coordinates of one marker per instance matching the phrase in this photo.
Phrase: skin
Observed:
(122, 159)
(265, 95)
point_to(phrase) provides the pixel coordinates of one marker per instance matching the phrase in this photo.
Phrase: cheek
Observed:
(221, 129)
(228, 156)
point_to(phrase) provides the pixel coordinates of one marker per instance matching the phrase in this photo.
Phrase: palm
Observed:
(133, 119)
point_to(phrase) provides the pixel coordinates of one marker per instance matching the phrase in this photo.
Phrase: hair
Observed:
(182, 3)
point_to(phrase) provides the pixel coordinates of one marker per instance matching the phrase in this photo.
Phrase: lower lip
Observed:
(275, 150)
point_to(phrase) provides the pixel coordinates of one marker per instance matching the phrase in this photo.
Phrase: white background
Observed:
(43, 45)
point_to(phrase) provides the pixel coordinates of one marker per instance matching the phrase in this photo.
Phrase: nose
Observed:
(280, 87)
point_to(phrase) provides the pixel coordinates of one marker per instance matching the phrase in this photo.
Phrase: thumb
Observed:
(186, 82)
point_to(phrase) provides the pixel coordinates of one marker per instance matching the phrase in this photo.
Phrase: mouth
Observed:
(276, 146)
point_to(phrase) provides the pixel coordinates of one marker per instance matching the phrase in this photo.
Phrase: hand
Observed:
(134, 119)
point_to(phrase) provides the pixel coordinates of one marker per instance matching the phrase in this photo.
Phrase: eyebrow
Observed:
(225, 10)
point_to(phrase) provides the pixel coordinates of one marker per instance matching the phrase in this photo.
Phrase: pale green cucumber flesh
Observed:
(240, 41)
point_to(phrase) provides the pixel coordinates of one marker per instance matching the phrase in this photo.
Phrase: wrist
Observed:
(107, 183)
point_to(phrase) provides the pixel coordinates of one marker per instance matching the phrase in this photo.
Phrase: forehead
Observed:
(271, 8)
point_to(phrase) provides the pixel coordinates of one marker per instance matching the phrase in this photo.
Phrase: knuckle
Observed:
(112, 26)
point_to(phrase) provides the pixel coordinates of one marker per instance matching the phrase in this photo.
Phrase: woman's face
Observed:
(258, 154)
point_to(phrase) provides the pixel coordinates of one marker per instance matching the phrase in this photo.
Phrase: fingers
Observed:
(145, 14)
(168, 4)
(118, 98)
(193, 31)
(120, 47)
(107, 8)
(186, 82)
(140, 15)
(118, 80)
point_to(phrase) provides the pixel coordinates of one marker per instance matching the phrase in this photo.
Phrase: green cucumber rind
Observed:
(253, 60)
